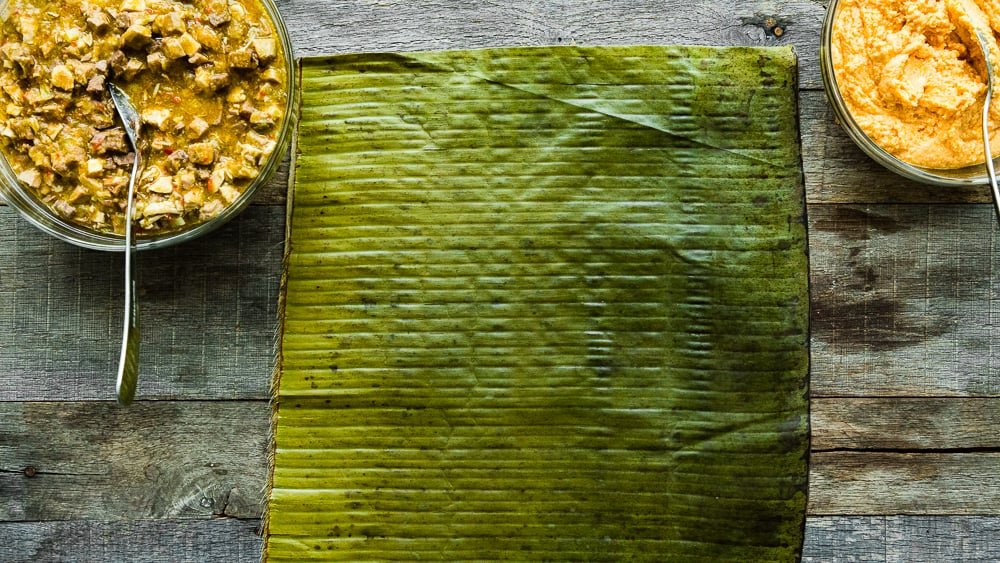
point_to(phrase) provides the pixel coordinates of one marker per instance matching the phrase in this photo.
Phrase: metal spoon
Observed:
(128, 365)
(984, 45)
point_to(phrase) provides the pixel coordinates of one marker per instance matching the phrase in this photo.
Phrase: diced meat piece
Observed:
(101, 67)
(132, 68)
(40, 156)
(157, 61)
(206, 36)
(210, 209)
(236, 95)
(124, 161)
(66, 157)
(218, 12)
(218, 176)
(271, 75)
(24, 127)
(156, 117)
(14, 110)
(28, 26)
(199, 59)
(95, 166)
(201, 153)
(263, 119)
(266, 49)
(117, 61)
(82, 71)
(243, 58)
(162, 144)
(230, 193)
(163, 185)
(190, 44)
(102, 114)
(96, 84)
(99, 21)
(197, 127)
(169, 24)
(32, 177)
(193, 198)
(177, 160)
(63, 208)
(208, 80)
(78, 194)
(173, 49)
(166, 207)
(246, 110)
(19, 55)
(186, 180)
(122, 21)
(110, 141)
(62, 77)
(137, 36)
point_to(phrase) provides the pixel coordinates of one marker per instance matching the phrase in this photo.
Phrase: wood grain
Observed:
(323, 27)
(847, 483)
(160, 459)
(953, 539)
(874, 539)
(196, 459)
(855, 539)
(209, 313)
(148, 541)
(904, 300)
(905, 424)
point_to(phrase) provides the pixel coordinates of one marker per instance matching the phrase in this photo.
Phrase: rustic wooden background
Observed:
(905, 376)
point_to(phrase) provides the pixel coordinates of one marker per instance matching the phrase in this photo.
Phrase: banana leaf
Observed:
(544, 304)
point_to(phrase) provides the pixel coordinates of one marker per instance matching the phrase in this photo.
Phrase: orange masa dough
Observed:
(912, 76)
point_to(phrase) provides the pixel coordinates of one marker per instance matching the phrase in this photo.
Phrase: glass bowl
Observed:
(38, 214)
(968, 176)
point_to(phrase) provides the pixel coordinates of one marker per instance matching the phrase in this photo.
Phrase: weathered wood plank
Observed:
(209, 314)
(322, 27)
(904, 300)
(953, 539)
(855, 539)
(848, 483)
(149, 541)
(194, 459)
(905, 424)
(160, 459)
(874, 539)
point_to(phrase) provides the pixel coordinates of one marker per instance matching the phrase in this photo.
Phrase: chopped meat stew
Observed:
(207, 76)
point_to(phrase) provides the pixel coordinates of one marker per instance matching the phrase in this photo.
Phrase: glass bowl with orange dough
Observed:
(907, 82)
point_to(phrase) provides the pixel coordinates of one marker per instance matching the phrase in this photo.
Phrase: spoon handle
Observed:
(128, 365)
(987, 103)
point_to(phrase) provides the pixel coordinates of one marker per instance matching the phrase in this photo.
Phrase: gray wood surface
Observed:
(905, 375)
(224, 540)
(157, 459)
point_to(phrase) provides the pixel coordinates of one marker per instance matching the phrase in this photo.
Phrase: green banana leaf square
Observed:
(544, 304)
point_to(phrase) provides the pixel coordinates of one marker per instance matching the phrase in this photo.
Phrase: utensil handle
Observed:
(128, 364)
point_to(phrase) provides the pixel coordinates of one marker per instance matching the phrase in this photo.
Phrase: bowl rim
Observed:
(974, 175)
(30, 208)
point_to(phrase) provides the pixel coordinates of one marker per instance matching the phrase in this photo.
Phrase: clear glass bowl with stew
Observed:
(950, 177)
(27, 202)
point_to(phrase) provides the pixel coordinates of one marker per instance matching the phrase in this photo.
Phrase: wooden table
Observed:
(905, 376)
